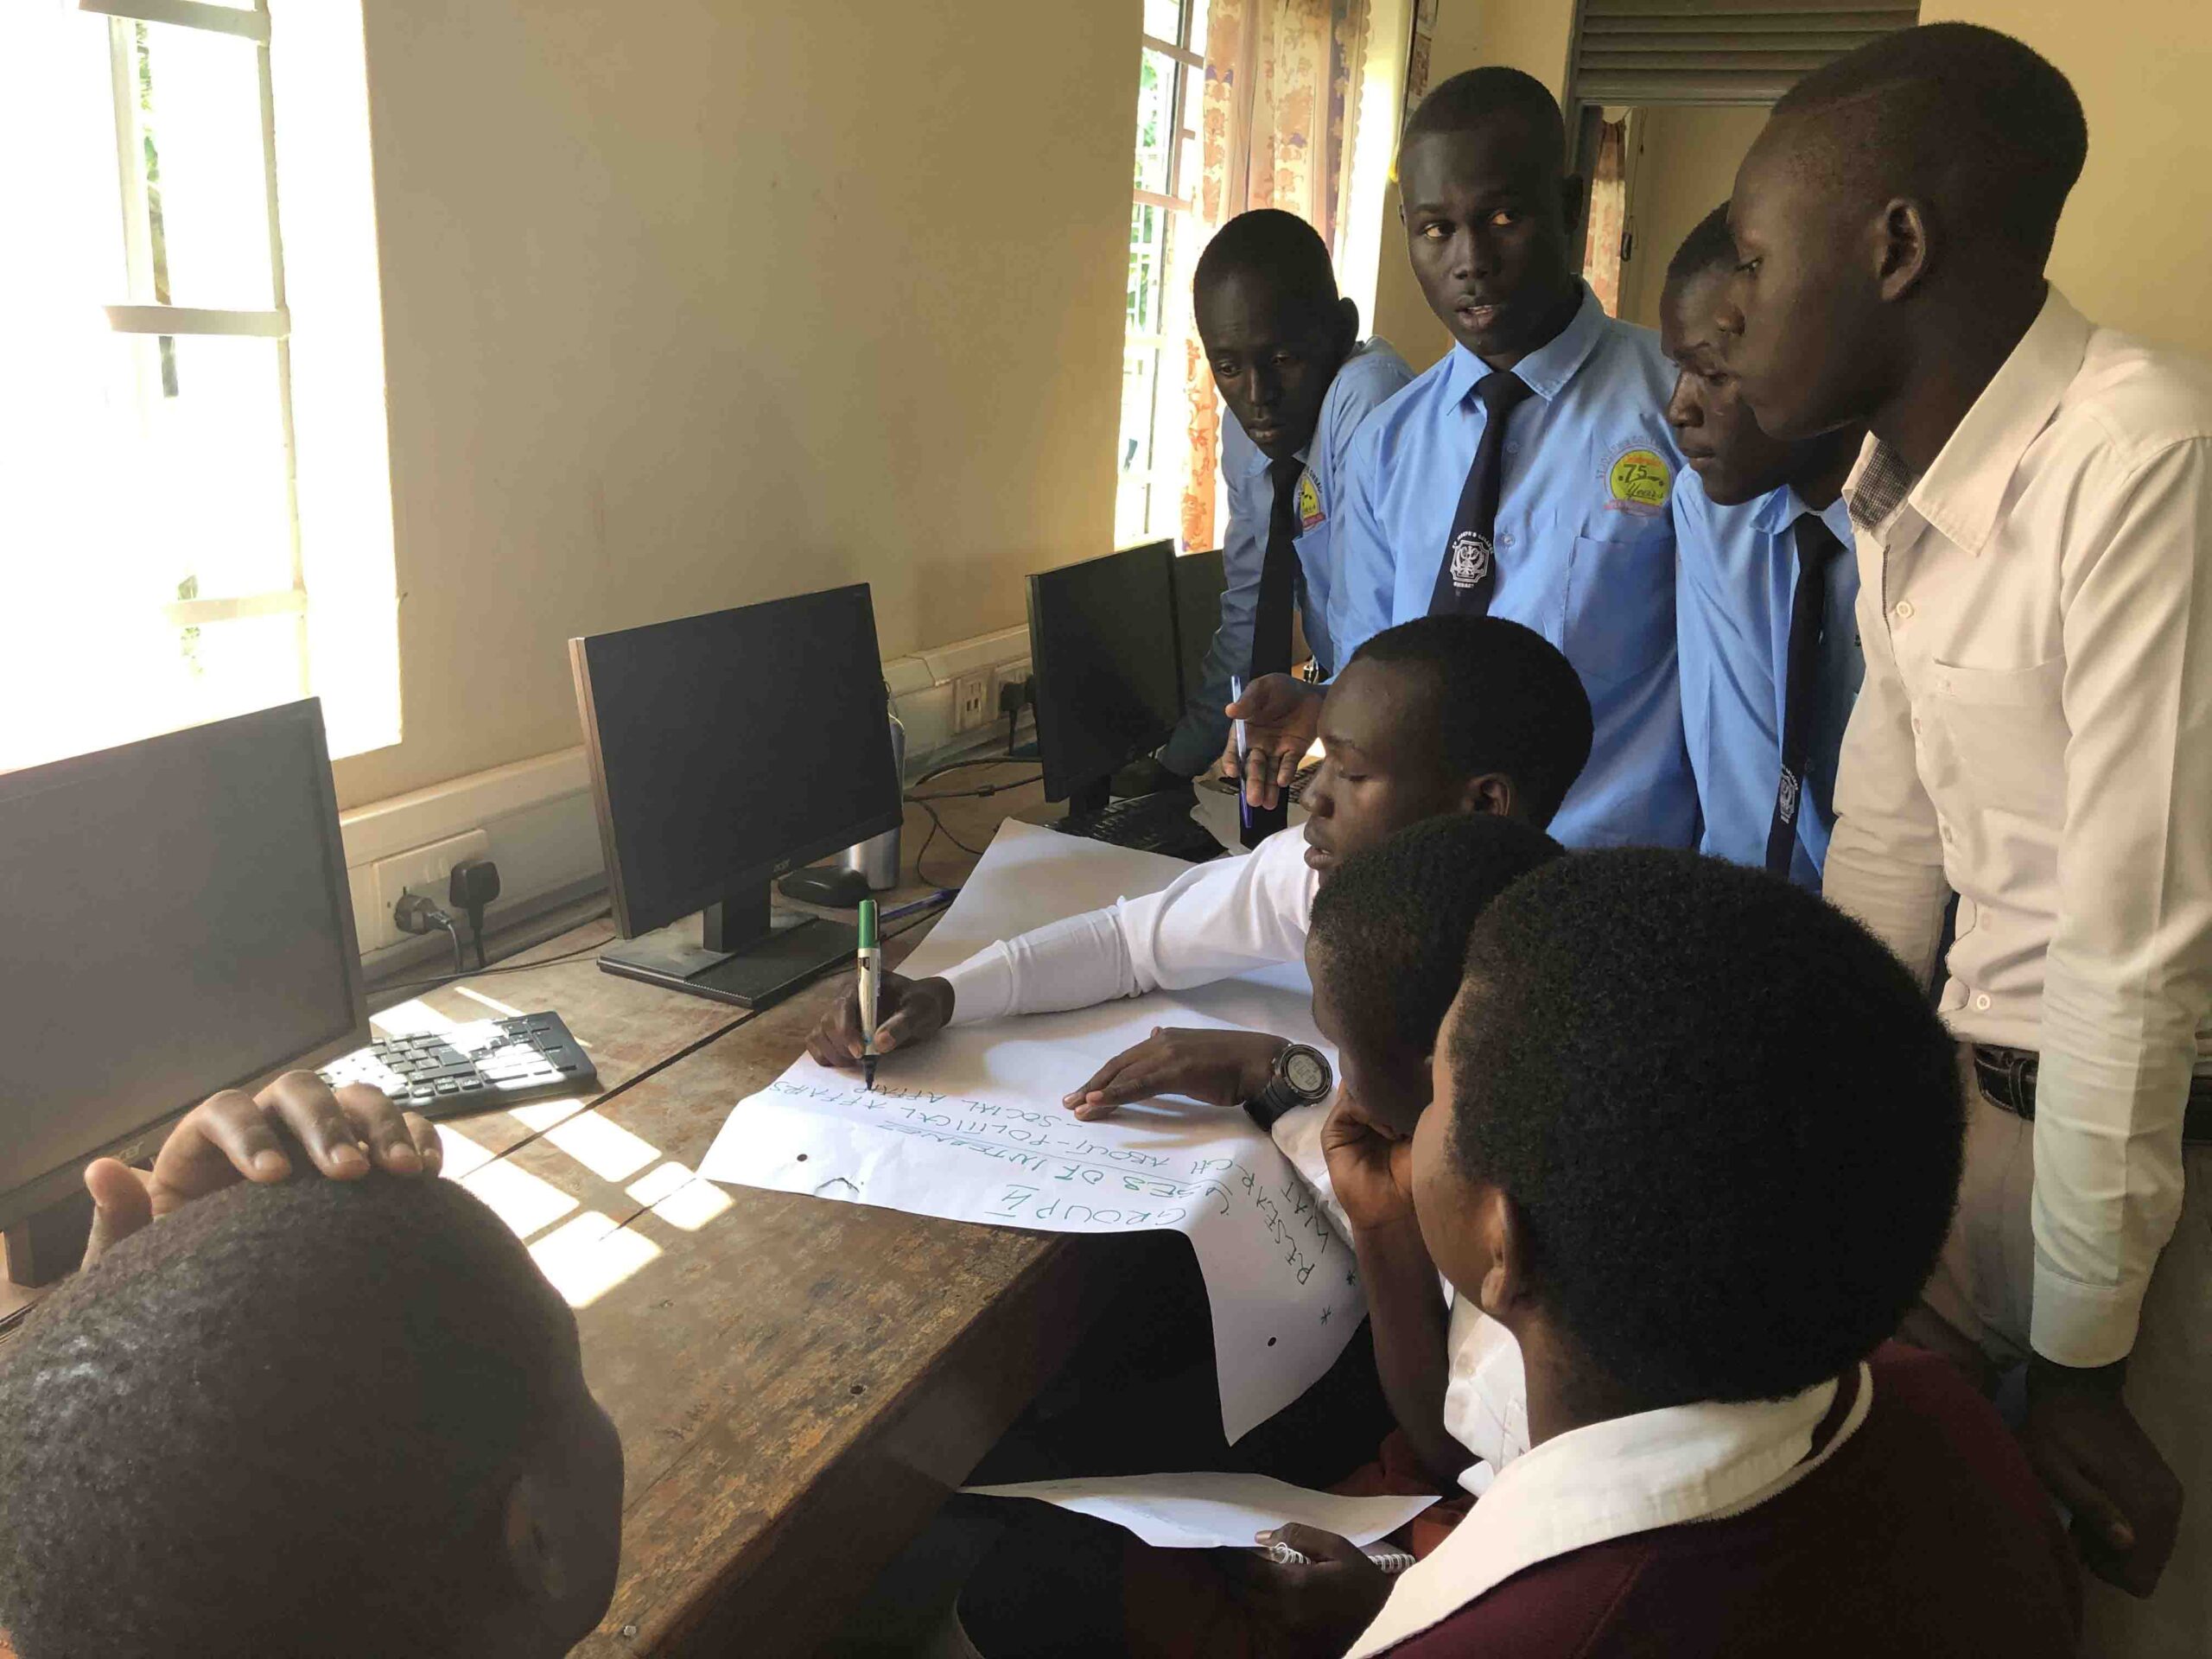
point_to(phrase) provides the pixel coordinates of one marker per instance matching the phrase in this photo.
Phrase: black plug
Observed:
(415, 914)
(473, 884)
(1014, 697)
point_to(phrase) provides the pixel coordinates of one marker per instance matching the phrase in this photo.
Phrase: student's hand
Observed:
(2094, 1457)
(1317, 1609)
(1222, 1068)
(234, 1136)
(1370, 1169)
(907, 1010)
(1281, 716)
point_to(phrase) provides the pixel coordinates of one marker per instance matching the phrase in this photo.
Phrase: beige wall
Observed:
(690, 304)
(1685, 167)
(2137, 238)
(1530, 35)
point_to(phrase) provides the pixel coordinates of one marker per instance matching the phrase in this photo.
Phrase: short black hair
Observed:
(1983, 122)
(1392, 923)
(1280, 246)
(1508, 702)
(218, 1434)
(1729, 1120)
(1709, 247)
(1473, 96)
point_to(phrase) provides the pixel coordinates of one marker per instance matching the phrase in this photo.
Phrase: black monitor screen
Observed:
(1200, 581)
(177, 922)
(728, 746)
(1102, 638)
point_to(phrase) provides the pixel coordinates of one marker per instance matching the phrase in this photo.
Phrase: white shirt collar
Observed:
(1611, 1480)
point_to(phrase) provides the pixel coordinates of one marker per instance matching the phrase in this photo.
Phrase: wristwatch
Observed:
(1300, 1077)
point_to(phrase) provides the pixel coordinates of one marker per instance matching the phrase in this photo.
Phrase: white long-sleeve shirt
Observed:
(2035, 731)
(1222, 918)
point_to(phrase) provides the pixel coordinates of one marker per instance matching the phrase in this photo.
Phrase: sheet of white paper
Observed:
(1208, 1511)
(969, 1127)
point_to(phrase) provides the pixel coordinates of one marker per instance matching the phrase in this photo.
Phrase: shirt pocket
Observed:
(2007, 731)
(1620, 607)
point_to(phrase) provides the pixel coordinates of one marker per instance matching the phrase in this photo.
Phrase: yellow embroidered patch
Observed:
(1309, 503)
(1637, 481)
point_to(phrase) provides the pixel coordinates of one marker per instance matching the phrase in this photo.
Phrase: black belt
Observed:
(2007, 1077)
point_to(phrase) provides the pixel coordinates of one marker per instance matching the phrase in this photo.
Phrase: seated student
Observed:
(1661, 1191)
(1288, 361)
(1443, 715)
(302, 1417)
(1526, 475)
(1763, 599)
(1388, 935)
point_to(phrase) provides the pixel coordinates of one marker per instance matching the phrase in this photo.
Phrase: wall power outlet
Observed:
(424, 870)
(972, 707)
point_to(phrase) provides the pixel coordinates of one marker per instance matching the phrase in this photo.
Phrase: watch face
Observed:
(1305, 1072)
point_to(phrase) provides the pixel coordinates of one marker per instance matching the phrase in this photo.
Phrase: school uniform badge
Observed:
(1470, 558)
(1637, 481)
(1309, 503)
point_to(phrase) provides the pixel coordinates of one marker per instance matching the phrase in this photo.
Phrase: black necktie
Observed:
(1817, 548)
(1271, 618)
(1469, 574)
(1278, 573)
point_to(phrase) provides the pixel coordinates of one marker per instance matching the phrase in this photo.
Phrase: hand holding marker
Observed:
(871, 970)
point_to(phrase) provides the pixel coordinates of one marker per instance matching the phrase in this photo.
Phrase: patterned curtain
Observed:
(1601, 259)
(1278, 119)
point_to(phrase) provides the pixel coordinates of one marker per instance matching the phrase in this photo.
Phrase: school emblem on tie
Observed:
(1785, 798)
(1470, 559)
(1636, 481)
(1310, 512)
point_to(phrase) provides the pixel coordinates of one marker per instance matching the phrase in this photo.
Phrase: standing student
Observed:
(1763, 607)
(2035, 731)
(1528, 474)
(1288, 361)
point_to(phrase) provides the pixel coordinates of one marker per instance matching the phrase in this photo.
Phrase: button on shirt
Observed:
(1738, 580)
(2036, 732)
(1585, 548)
(1370, 376)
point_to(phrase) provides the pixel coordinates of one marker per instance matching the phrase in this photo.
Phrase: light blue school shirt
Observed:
(1739, 582)
(1585, 548)
(1371, 375)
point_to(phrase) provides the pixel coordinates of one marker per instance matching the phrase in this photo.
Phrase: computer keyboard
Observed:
(1295, 794)
(1150, 823)
(472, 1068)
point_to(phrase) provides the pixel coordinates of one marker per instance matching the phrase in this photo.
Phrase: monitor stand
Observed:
(1091, 796)
(744, 953)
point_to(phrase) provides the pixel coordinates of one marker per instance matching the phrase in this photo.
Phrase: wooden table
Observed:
(798, 1382)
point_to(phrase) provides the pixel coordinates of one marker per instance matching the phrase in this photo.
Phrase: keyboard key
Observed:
(448, 1086)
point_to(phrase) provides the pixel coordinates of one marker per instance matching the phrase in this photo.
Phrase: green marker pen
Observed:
(871, 971)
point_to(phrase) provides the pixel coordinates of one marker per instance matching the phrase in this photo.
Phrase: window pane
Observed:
(1156, 120)
(1163, 19)
(204, 180)
(208, 500)
(1198, 40)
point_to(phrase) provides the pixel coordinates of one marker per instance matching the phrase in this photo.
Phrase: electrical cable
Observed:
(497, 967)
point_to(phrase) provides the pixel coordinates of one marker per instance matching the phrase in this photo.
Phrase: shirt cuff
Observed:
(982, 986)
(2083, 1325)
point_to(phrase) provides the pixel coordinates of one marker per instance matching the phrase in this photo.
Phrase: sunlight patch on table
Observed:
(586, 1257)
(521, 1200)
(603, 1147)
(679, 1198)
(463, 1156)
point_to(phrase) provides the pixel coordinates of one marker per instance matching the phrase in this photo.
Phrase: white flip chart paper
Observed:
(970, 1127)
(1211, 1511)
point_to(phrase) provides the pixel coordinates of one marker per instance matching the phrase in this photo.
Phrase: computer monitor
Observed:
(726, 749)
(1102, 645)
(1200, 581)
(177, 922)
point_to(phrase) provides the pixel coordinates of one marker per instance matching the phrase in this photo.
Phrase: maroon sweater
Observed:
(1925, 1534)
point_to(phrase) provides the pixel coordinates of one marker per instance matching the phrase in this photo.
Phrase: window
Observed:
(1170, 85)
(151, 525)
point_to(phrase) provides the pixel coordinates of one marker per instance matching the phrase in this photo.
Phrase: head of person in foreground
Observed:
(315, 1418)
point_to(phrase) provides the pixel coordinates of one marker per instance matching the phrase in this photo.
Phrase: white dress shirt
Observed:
(1221, 918)
(2035, 731)
(1612, 1480)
